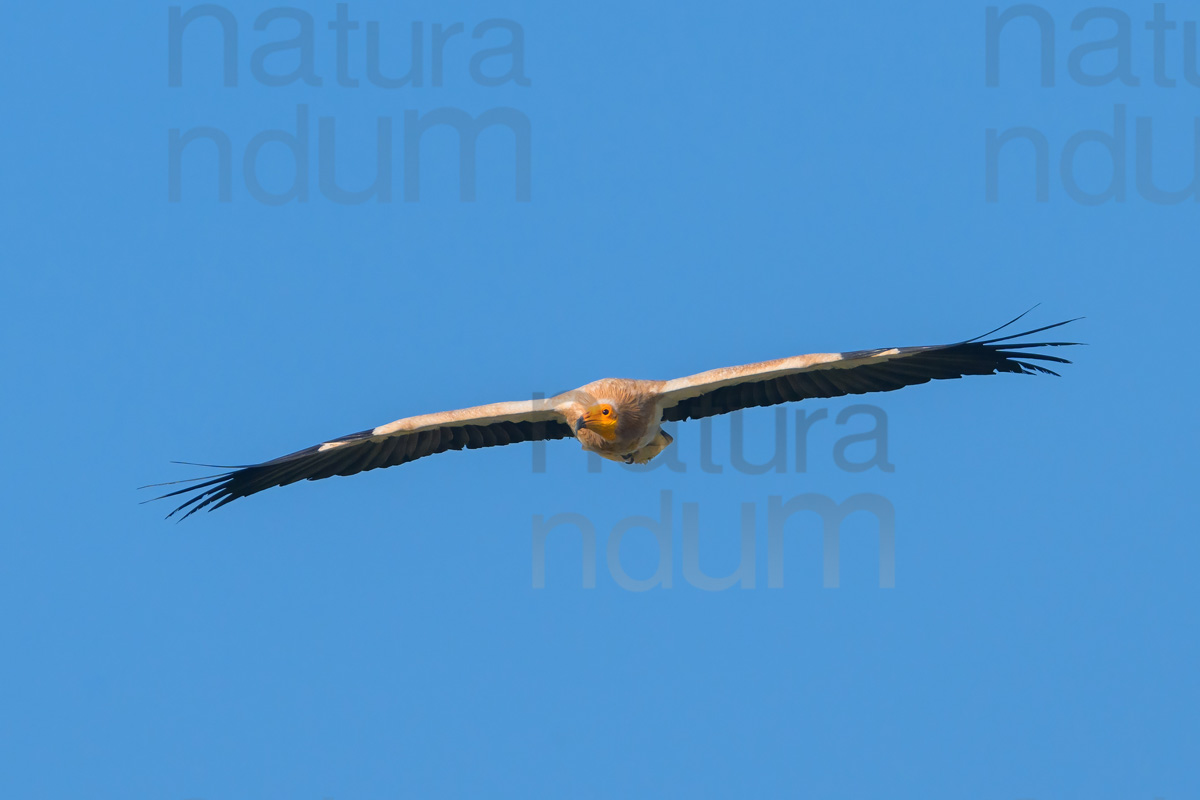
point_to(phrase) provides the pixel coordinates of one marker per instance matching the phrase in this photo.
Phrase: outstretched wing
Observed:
(721, 391)
(386, 446)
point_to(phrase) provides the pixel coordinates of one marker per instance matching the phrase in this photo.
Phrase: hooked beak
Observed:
(580, 424)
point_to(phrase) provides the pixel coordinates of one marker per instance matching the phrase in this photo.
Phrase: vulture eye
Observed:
(605, 412)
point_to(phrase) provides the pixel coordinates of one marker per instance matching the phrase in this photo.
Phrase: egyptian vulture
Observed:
(619, 419)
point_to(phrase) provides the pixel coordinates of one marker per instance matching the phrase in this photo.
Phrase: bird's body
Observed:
(621, 419)
(638, 410)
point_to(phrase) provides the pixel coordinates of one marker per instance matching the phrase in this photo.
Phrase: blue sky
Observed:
(706, 188)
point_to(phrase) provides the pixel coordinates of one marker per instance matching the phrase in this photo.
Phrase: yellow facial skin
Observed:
(600, 418)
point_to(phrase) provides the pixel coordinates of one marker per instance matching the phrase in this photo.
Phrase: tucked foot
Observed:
(648, 452)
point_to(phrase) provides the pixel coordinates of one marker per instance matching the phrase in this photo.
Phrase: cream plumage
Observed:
(620, 419)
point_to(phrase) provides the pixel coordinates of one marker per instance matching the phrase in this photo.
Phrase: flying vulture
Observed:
(619, 419)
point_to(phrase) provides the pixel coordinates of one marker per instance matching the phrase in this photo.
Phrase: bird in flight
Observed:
(621, 419)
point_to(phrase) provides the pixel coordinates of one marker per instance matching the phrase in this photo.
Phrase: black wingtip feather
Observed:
(1005, 325)
(980, 340)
